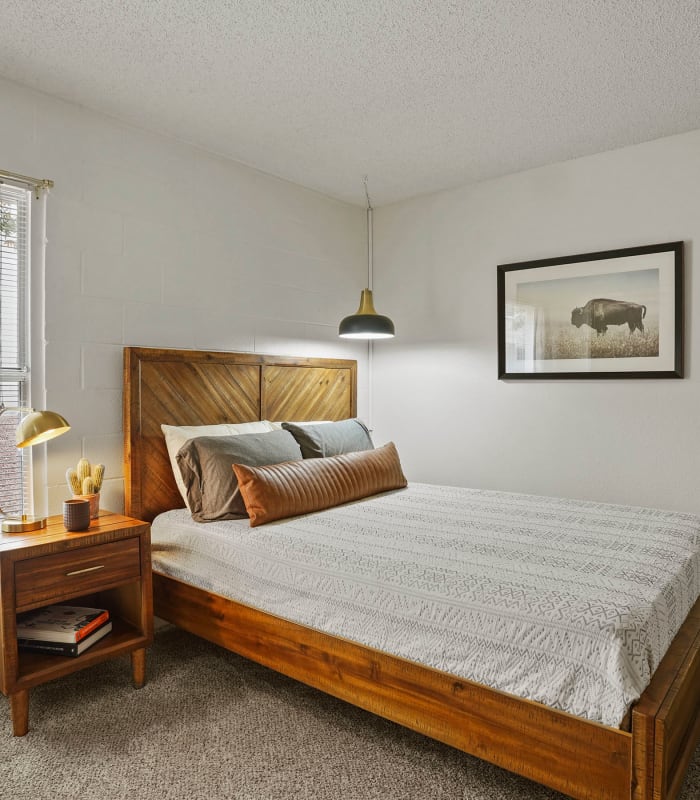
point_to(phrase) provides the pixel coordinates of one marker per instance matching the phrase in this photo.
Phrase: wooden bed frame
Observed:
(579, 758)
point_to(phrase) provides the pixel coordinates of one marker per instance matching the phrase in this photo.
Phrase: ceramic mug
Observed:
(76, 515)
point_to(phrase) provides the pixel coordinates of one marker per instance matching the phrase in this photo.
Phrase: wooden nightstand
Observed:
(107, 566)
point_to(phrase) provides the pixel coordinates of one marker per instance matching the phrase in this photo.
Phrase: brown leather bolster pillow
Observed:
(298, 487)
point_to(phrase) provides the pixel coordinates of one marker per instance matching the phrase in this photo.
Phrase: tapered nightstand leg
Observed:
(19, 709)
(138, 667)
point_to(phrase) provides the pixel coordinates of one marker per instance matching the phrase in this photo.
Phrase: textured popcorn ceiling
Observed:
(418, 95)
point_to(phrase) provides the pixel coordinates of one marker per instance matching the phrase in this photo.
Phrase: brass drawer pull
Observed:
(87, 569)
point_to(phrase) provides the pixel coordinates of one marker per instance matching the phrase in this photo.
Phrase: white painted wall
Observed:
(436, 391)
(152, 242)
(155, 243)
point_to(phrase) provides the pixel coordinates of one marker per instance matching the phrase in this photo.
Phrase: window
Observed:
(15, 465)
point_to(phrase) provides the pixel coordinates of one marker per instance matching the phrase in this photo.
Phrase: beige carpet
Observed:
(209, 725)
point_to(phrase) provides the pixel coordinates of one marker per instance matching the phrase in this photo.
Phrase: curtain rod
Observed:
(36, 183)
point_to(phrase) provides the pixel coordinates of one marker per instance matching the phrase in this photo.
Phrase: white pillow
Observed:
(177, 435)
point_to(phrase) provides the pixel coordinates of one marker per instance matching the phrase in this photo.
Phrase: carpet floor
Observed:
(209, 725)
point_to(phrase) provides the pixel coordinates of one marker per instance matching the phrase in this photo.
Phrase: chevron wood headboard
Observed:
(196, 387)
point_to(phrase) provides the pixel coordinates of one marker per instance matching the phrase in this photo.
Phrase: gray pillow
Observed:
(330, 438)
(206, 466)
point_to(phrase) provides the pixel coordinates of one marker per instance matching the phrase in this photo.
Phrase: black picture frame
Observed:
(624, 310)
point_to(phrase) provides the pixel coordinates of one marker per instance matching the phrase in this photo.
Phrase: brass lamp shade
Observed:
(40, 426)
(365, 323)
(36, 427)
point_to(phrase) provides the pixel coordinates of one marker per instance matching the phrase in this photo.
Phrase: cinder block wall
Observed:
(155, 243)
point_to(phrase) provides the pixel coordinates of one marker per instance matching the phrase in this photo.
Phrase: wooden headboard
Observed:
(195, 387)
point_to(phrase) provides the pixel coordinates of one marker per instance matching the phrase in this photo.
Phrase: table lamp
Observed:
(36, 427)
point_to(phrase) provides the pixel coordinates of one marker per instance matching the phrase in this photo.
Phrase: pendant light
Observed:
(365, 323)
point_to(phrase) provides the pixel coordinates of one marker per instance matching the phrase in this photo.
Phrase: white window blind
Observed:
(15, 464)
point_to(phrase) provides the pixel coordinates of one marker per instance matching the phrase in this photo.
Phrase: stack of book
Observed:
(63, 630)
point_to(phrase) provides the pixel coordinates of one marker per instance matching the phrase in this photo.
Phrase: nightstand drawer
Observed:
(75, 572)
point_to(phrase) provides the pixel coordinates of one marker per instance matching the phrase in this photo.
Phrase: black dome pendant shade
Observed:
(365, 323)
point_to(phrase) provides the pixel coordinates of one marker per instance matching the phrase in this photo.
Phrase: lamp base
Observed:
(24, 524)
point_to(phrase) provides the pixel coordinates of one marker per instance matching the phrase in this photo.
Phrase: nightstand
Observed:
(106, 566)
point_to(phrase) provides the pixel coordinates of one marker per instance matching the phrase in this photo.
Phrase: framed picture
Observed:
(613, 314)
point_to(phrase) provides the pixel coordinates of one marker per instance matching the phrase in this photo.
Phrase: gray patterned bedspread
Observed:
(569, 603)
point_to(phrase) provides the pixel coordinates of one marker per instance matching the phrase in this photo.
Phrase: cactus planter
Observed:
(94, 503)
(85, 483)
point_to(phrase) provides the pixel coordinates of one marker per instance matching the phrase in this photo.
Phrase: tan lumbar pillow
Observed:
(299, 487)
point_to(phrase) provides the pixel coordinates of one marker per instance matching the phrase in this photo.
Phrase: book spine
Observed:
(48, 647)
(60, 649)
(93, 625)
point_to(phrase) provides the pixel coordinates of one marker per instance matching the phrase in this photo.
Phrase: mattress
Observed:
(564, 602)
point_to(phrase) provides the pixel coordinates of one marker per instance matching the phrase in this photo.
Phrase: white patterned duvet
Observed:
(568, 603)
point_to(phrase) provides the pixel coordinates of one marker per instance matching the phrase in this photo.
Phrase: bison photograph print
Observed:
(611, 314)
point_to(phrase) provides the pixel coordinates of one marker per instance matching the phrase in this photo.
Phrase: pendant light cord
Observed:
(370, 243)
(370, 275)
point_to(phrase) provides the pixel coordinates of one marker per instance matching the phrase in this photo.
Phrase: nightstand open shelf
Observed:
(36, 668)
(107, 566)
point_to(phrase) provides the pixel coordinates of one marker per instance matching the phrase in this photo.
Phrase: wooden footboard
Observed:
(666, 720)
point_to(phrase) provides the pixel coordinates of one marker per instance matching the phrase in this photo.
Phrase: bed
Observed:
(576, 756)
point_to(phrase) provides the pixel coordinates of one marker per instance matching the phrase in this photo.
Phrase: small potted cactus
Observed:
(85, 483)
